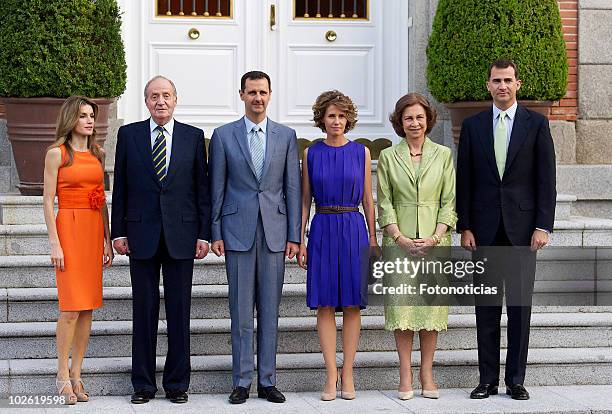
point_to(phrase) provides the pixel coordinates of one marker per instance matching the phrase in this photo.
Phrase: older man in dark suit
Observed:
(161, 218)
(505, 197)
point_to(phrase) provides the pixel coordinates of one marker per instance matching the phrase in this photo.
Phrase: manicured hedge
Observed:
(468, 35)
(60, 48)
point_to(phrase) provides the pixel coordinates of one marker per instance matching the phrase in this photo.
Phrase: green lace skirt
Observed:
(415, 318)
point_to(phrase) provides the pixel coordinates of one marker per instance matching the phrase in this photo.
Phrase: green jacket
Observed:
(416, 202)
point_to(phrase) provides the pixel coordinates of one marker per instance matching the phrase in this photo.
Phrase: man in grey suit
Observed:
(256, 213)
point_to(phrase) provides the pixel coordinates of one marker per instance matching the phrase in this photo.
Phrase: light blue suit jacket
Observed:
(238, 198)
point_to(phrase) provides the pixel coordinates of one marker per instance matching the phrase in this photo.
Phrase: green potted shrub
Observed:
(49, 50)
(468, 35)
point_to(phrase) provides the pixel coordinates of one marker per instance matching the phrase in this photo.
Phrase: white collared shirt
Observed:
(168, 133)
(511, 112)
(249, 127)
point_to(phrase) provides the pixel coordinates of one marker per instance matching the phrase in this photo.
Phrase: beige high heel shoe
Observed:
(62, 384)
(81, 396)
(346, 395)
(405, 395)
(330, 396)
(433, 394)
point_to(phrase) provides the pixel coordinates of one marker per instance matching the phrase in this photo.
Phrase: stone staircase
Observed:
(569, 344)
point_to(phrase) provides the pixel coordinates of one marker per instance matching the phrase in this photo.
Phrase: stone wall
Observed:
(566, 109)
(594, 126)
(8, 172)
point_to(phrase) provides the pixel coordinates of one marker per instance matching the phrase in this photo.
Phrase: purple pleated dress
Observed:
(337, 243)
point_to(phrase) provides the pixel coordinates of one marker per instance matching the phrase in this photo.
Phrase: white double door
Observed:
(364, 58)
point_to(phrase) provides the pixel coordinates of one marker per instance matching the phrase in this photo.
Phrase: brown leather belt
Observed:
(335, 209)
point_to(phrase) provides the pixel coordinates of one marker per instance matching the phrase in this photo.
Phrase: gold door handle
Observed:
(331, 36)
(193, 33)
(272, 17)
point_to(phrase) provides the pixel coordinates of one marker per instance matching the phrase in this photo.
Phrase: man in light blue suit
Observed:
(256, 216)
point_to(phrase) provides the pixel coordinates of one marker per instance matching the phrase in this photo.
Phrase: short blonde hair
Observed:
(338, 99)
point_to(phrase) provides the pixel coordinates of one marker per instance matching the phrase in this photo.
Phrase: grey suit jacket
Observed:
(238, 198)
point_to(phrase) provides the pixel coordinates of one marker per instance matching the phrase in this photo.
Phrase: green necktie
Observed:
(500, 143)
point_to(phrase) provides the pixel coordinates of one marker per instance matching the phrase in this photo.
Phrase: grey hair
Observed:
(155, 78)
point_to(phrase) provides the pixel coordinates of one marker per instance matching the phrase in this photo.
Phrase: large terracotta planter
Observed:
(31, 129)
(461, 110)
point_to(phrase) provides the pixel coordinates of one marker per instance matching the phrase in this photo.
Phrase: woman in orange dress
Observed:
(79, 236)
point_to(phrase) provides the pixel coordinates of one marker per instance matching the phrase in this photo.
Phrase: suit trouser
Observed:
(512, 271)
(178, 276)
(255, 279)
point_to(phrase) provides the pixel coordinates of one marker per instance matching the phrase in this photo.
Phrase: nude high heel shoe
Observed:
(81, 396)
(330, 396)
(433, 394)
(66, 385)
(346, 395)
(405, 395)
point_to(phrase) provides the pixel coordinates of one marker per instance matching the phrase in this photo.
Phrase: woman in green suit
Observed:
(416, 209)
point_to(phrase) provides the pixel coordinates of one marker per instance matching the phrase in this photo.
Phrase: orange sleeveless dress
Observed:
(80, 195)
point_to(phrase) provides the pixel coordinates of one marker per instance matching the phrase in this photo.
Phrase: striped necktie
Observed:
(159, 154)
(257, 151)
(500, 143)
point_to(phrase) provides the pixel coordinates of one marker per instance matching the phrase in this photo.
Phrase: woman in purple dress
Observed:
(337, 172)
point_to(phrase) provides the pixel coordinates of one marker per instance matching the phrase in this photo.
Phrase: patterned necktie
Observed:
(159, 154)
(500, 143)
(257, 151)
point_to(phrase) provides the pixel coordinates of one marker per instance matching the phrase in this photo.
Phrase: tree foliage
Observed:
(468, 35)
(60, 48)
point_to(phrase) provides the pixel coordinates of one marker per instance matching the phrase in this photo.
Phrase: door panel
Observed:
(200, 98)
(205, 66)
(360, 57)
(347, 53)
(343, 68)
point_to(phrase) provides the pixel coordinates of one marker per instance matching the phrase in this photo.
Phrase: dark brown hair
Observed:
(338, 99)
(404, 102)
(67, 121)
(503, 64)
(254, 75)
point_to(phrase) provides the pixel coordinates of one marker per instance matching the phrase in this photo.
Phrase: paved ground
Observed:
(592, 399)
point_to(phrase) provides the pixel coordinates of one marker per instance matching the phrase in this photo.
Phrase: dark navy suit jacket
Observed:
(525, 198)
(142, 206)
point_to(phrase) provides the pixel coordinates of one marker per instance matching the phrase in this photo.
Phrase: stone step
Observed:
(23, 271)
(563, 209)
(32, 239)
(299, 335)
(17, 209)
(210, 302)
(566, 399)
(36, 271)
(305, 372)
(592, 186)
